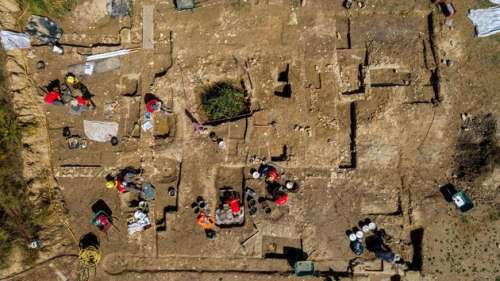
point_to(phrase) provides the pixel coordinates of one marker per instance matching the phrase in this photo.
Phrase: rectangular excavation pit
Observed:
(349, 124)
(423, 95)
(351, 57)
(353, 79)
(166, 181)
(280, 247)
(278, 152)
(229, 186)
(132, 114)
(343, 25)
(389, 77)
(283, 91)
(417, 236)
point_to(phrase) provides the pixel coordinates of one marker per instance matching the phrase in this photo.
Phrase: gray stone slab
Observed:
(148, 27)
(184, 4)
(98, 66)
(118, 8)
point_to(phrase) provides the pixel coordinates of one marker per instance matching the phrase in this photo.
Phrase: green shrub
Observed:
(9, 132)
(222, 100)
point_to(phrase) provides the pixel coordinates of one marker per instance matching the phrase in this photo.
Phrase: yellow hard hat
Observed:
(70, 79)
(110, 184)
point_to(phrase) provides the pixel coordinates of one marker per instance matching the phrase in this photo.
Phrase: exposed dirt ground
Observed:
(374, 126)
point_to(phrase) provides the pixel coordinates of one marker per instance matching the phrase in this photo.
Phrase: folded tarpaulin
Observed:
(14, 40)
(486, 21)
(100, 131)
(43, 29)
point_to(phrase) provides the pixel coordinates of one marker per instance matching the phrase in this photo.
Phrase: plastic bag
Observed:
(14, 40)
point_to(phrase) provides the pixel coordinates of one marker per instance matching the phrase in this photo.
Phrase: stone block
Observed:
(10, 6)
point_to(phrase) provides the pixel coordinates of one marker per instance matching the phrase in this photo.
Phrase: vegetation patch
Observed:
(54, 8)
(19, 219)
(223, 100)
(47, 8)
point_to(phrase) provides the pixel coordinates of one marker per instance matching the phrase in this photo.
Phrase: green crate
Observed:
(303, 268)
(462, 201)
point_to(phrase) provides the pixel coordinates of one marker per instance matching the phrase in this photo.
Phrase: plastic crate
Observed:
(303, 268)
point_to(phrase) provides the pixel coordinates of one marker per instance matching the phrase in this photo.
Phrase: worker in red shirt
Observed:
(118, 184)
(269, 172)
(280, 198)
(82, 101)
(278, 194)
(53, 97)
(234, 204)
(85, 97)
(153, 105)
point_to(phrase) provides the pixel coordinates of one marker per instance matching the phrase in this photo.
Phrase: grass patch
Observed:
(20, 220)
(223, 100)
(48, 8)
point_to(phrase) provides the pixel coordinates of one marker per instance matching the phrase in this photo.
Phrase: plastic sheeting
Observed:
(486, 21)
(495, 2)
(44, 29)
(100, 131)
(14, 40)
(141, 222)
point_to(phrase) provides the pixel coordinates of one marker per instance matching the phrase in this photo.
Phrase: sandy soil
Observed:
(368, 129)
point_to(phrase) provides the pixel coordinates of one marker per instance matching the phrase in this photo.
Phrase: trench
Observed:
(435, 73)
(416, 237)
(352, 135)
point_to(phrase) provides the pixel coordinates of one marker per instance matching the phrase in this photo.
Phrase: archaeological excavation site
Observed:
(221, 140)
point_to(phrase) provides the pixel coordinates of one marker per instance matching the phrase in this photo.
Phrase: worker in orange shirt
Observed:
(205, 221)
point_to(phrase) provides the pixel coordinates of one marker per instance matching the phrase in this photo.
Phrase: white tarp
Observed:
(100, 131)
(495, 1)
(486, 21)
(14, 40)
